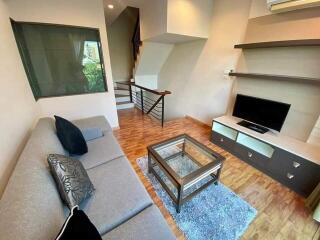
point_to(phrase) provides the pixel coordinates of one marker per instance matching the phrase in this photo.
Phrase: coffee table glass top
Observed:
(184, 155)
(184, 167)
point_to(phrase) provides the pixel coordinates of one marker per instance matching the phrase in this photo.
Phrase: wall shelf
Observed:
(276, 77)
(287, 43)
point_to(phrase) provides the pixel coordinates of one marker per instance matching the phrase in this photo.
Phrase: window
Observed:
(60, 60)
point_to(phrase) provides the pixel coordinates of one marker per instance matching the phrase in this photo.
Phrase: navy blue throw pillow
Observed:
(70, 137)
(78, 226)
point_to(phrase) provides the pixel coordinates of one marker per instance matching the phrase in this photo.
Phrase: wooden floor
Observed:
(281, 212)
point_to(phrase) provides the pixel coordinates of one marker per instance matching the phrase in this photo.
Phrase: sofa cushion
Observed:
(30, 207)
(71, 178)
(101, 150)
(119, 195)
(90, 134)
(78, 226)
(93, 122)
(70, 136)
(148, 224)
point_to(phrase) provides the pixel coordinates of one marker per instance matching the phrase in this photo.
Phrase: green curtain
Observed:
(60, 60)
(313, 202)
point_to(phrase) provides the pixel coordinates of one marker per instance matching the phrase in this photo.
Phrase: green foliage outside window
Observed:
(93, 72)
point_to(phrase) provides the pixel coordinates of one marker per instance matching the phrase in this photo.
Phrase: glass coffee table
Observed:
(184, 167)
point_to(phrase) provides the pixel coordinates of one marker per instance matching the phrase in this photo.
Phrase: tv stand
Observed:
(294, 163)
(253, 127)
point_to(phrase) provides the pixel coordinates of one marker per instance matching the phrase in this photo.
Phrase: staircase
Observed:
(141, 90)
(122, 94)
(122, 89)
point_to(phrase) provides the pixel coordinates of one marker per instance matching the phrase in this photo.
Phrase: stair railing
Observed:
(149, 101)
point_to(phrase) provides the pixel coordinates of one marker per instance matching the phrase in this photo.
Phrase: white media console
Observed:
(294, 163)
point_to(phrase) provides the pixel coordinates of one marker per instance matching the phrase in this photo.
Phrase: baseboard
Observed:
(197, 121)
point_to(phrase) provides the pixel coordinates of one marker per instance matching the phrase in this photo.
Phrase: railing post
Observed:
(162, 117)
(130, 92)
(141, 95)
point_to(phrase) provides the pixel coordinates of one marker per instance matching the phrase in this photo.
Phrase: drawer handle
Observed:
(221, 140)
(296, 164)
(290, 176)
(249, 154)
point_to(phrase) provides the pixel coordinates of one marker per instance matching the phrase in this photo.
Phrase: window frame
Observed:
(26, 59)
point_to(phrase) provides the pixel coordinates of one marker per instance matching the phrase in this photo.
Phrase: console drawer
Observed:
(297, 173)
(222, 141)
(284, 161)
(251, 156)
(300, 183)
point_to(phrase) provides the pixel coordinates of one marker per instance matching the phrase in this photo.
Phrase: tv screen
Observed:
(264, 112)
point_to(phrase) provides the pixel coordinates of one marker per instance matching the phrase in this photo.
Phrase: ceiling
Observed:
(119, 6)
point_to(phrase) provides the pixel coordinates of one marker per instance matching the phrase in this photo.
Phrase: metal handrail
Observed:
(154, 91)
(153, 107)
(162, 93)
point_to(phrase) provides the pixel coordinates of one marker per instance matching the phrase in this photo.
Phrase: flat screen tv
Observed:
(267, 113)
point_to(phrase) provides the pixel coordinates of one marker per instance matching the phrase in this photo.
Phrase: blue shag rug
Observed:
(216, 213)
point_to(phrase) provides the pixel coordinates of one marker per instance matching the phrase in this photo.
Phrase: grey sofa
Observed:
(121, 208)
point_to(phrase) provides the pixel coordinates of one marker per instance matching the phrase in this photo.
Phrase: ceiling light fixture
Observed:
(110, 6)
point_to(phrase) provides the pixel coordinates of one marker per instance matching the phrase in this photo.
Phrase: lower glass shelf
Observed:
(256, 145)
(225, 131)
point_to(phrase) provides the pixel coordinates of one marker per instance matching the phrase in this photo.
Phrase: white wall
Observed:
(148, 81)
(293, 61)
(120, 34)
(304, 98)
(153, 18)
(259, 8)
(300, 24)
(78, 13)
(189, 17)
(175, 77)
(194, 71)
(18, 108)
(150, 60)
(152, 57)
(314, 137)
(175, 21)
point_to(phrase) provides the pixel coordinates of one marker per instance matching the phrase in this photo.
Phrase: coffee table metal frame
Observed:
(213, 169)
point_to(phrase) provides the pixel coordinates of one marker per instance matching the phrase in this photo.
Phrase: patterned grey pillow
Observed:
(72, 179)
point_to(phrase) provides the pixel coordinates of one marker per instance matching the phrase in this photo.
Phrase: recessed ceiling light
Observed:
(110, 6)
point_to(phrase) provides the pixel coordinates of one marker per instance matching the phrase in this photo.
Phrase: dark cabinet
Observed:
(293, 171)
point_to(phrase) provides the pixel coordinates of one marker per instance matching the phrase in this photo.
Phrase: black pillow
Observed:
(78, 226)
(70, 137)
